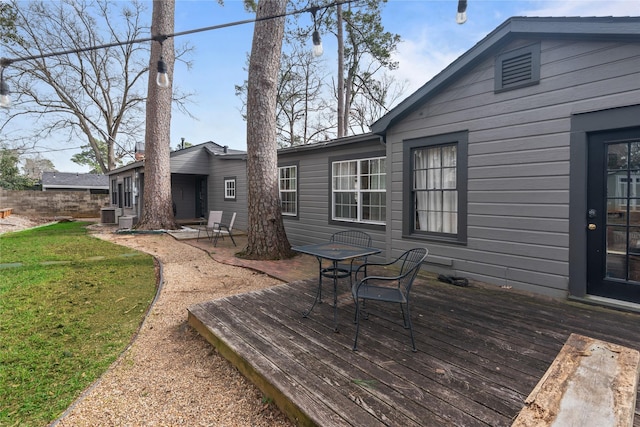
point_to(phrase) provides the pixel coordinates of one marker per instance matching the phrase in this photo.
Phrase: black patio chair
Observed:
(394, 289)
(351, 237)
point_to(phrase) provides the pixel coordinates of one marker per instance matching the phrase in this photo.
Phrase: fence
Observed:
(77, 204)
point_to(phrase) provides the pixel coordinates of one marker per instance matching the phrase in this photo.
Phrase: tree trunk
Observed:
(266, 237)
(158, 207)
(341, 103)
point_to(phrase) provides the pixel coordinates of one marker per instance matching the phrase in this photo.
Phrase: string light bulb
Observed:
(461, 17)
(162, 79)
(317, 41)
(317, 44)
(5, 99)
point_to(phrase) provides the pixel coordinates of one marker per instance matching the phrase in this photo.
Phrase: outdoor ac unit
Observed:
(110, 215)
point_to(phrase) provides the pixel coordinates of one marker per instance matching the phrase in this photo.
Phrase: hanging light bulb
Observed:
(461, 17)
(5, 99)
(317, 44)
(317, 41)
(162, 79)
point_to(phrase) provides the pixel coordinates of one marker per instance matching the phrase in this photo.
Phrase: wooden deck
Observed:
(480, 352)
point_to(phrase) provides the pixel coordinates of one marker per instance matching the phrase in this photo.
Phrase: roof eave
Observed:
(598, 28)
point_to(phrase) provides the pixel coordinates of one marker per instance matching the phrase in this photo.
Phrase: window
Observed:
(435, 187)
(128, 192)
(114, 192)
(288, 184)
(359, 190)
(230, 188)
(518, 68)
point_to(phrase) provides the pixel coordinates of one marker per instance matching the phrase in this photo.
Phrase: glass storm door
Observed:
(613, 215)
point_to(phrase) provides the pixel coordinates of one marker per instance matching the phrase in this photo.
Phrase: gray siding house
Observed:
(518, 166)
(502, 164)
(204, 177)
(322, 190)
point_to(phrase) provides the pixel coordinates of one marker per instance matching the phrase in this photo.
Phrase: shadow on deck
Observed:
(480, 351)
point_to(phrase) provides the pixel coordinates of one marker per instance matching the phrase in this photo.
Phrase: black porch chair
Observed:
(394, 289)
(350, 237)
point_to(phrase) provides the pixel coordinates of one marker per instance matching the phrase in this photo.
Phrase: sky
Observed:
(431, 40)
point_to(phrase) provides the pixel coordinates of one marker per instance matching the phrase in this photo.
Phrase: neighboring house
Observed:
(67, 181)
(204, 177)
(516, 166)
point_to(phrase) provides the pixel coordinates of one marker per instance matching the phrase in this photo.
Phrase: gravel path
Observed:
(170, 375)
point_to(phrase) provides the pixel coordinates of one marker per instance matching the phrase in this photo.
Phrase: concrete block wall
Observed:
(77, 204)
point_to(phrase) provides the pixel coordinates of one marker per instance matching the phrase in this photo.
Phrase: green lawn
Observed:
(69, 305)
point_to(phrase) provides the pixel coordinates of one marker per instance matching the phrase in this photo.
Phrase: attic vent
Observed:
(518, 68)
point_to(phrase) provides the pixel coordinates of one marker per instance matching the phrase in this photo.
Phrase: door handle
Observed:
(591, 227)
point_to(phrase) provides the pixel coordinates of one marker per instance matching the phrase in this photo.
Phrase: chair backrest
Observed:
(215, 217)
(352, 237)
(233, 219)
(410, 261)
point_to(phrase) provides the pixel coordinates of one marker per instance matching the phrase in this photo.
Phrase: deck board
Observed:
(480, 351)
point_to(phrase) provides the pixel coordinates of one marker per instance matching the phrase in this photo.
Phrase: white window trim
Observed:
(357, 190)
(230, 191)
(293, 191)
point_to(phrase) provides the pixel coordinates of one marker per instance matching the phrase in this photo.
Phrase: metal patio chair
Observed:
(211, 226)
(394, 289)
(225, 228)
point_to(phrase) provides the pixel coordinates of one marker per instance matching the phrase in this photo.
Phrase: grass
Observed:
(69, 305)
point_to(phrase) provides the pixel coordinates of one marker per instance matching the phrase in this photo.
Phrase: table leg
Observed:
(335, 296)
(318, 298)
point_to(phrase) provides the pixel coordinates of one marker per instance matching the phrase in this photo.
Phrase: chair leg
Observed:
(355, 340)
(408, 320)
(404, 316)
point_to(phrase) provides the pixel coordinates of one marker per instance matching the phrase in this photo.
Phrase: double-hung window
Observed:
(288, 185)
(230, 188)
(435, 187)
(114, 192)
(128, 192)
(358, 190)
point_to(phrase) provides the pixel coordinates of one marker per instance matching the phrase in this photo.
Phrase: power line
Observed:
(5, 62)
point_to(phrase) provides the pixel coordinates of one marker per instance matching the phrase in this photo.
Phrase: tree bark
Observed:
(158, 207)
(341, 101)
(266, 236)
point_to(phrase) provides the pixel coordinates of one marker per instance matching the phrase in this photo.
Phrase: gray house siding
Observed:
(188, 167)
(192, 161)
(313, 223)
(183, 195)
(518, 159)
(222, 167)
